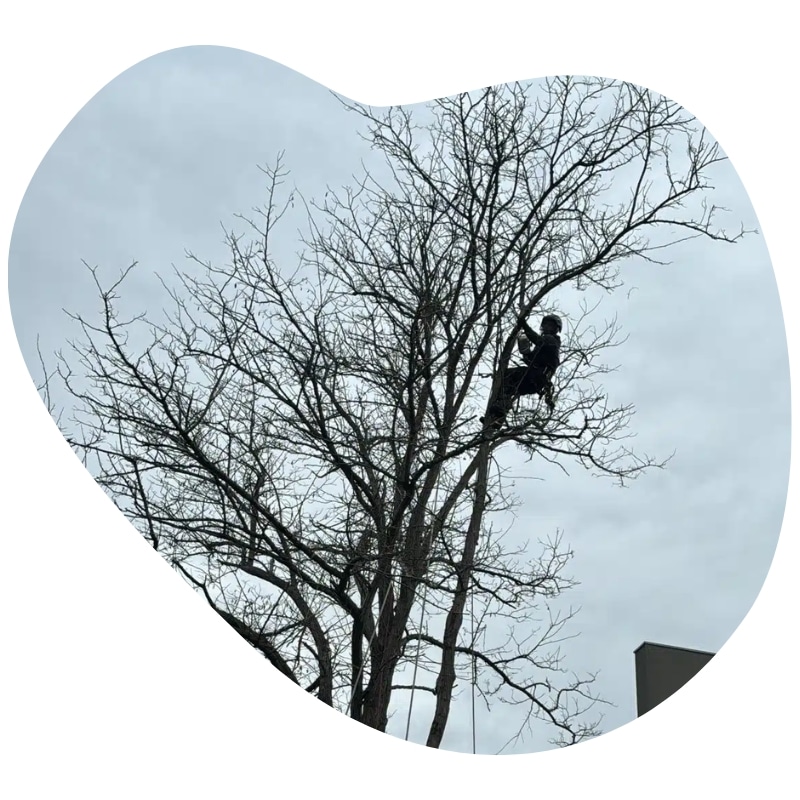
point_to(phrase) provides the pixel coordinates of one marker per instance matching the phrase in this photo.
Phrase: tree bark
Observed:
(447, 673)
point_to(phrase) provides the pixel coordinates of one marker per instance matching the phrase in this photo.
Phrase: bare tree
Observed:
(304, 446)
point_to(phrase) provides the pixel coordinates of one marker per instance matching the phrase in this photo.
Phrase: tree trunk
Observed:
(447, 673)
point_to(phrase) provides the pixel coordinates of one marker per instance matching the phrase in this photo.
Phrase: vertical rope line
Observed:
(474, 665)
(421, 620)
(369, 651)
(416, 660)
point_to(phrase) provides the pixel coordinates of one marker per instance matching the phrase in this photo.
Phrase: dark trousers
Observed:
(520, 381)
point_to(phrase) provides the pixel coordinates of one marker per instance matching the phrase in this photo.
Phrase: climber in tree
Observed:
(536, 376)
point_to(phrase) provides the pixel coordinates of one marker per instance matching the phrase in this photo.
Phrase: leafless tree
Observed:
(303, 444)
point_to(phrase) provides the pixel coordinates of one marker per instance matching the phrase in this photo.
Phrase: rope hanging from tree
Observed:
(474, 661)
(421, 620)
(416, 659)
(360, 672)
(474, 671)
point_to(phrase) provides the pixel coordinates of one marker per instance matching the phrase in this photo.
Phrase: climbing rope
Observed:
(474, 679)
(421, 620)
(474, 661)
(416, 659)
(369, 649)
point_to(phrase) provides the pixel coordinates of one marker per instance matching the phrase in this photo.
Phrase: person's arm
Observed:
(525, 348)
(530, 333)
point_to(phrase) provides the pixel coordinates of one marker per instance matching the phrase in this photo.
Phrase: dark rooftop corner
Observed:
(661, 670)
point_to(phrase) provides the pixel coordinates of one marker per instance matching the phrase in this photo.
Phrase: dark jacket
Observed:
(546, 353)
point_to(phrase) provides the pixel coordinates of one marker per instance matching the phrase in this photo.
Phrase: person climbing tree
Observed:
(537, 374)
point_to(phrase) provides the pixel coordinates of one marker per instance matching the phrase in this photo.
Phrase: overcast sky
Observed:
(169, 150)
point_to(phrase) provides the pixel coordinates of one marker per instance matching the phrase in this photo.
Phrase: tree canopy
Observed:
(302, 440)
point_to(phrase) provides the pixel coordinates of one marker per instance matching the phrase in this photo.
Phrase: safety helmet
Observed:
(554, 319)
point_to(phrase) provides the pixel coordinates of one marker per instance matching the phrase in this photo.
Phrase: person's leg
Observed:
(537, 382)
(544, 388)
(547, 392)
(508, 390)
